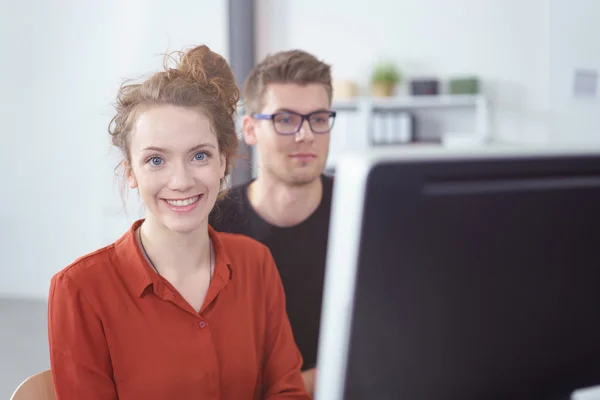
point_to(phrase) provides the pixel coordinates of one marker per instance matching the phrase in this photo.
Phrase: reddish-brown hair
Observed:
(292, 66)
(201, 79)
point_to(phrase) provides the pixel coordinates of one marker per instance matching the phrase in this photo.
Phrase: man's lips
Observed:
(303, 155)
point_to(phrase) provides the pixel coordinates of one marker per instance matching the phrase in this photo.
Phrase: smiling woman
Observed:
(174, 309)
(175, 164)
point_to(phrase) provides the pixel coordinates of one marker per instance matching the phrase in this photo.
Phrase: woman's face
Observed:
(176, 166)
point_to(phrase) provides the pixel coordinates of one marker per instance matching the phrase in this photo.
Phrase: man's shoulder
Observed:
(328, 183)
(230, 211)
(235, 195)
(327, 200)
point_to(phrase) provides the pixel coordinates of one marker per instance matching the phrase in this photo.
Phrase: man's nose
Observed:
(305, 133)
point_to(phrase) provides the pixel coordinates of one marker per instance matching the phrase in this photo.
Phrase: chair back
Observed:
(36, 387)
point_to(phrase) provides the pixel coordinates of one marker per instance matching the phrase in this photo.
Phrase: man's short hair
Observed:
(292, 66)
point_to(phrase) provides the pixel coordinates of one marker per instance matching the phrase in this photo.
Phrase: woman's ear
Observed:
(130, 175)
(223, 167)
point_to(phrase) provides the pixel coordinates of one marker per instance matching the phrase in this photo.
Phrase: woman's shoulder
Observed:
(245, 253)
(249, 260)
(87, 269)
(238, 245)
(102, 264)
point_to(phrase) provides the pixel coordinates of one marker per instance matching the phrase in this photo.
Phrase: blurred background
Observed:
(447, 72)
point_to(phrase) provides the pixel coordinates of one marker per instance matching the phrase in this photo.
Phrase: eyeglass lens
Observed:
(289, 123)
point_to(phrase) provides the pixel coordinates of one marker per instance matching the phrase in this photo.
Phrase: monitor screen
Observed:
(465, 275)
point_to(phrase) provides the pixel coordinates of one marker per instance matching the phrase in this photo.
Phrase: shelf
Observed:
(409, 102)
(373, 122)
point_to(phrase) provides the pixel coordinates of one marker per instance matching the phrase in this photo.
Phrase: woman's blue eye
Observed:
(156, 161)
(200, 156)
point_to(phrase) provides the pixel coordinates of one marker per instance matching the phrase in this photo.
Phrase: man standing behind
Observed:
(288, 119)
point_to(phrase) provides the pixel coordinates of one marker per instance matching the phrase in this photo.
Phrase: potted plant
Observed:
(384, 79)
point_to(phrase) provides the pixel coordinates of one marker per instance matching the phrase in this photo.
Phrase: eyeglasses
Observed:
(290, 122)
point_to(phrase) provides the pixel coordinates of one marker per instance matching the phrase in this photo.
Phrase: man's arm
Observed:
(309, 376)
(281, 374)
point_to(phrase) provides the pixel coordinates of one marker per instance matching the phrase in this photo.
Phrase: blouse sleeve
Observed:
(79, 355)
(281, 374)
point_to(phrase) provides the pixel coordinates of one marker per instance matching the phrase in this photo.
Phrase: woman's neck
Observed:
(174, 253)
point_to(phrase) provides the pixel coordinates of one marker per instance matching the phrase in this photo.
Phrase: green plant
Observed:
(386, 73)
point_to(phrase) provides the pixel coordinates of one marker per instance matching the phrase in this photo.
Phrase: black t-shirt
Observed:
(299, 252)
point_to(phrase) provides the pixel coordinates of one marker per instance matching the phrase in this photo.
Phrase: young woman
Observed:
(173, 309)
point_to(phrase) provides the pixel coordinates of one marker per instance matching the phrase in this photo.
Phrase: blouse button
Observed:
(202, 324)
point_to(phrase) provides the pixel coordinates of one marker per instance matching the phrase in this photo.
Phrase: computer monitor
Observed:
(470, 274)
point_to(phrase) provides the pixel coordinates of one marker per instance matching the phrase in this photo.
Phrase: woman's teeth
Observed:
(183, 203)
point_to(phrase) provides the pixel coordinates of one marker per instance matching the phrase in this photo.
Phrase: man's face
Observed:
(294, 158)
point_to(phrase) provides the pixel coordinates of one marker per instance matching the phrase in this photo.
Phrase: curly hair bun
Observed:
(211, 72)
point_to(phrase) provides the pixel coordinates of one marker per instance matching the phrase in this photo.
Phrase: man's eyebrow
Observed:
(296, 112)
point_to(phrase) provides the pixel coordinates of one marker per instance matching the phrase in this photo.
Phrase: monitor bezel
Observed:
(351, 177)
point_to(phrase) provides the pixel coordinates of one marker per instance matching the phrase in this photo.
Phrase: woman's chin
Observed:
(183, 219)
(184, 222)
(184, 227)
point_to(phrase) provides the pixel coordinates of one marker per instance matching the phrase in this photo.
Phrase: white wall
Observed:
(61, 64)
(505, 42)
(62, 61)
(526, 52)
(575, 44)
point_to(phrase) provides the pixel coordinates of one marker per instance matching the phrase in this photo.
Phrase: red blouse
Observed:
(119, 330)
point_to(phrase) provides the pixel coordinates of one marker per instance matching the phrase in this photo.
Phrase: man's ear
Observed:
(133, 184)
(249, 130)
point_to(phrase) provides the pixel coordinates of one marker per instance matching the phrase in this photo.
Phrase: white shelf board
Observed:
(410, 102)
